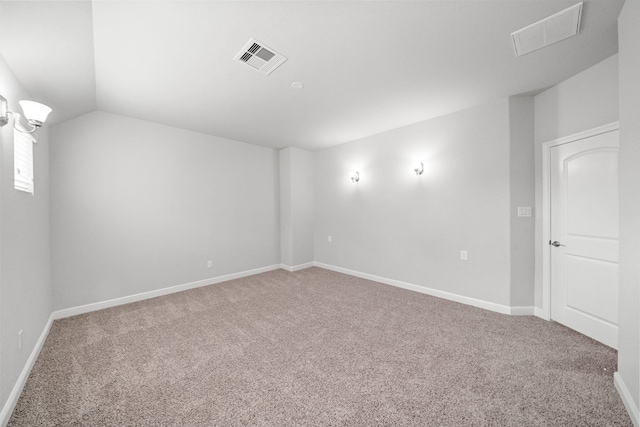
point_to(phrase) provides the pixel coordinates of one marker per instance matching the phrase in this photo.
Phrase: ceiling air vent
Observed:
(260, 57)
(560, 26)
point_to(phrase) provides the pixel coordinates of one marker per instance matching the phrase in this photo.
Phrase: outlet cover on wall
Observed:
(209, 264)
(463, 255)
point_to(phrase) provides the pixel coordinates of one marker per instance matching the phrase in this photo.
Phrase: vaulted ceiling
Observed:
(366, 66)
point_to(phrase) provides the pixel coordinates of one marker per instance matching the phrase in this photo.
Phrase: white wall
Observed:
(522, 185)
(583, 102)
(629, 332)
(286, 208)
(302, 174)
(25, 262)
(296, 207)
(138, 207)
(586, 100)
(409, 228)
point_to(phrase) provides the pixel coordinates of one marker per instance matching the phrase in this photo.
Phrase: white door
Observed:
(584, 236)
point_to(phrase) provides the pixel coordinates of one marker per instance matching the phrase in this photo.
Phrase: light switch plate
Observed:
(524, 211)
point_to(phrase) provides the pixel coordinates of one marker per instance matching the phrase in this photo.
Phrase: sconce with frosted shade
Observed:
(35, 113)
(418, 168)
(355, 176)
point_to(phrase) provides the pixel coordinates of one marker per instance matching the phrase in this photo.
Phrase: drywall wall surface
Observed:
(522, 194)
(296, 207)
(585, 101)
(25, 259)
(302, 205)
(138, 206)
(286, 208)
(629, 316)
(398, 225)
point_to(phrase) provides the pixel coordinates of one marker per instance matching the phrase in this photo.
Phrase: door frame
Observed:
(545, 311)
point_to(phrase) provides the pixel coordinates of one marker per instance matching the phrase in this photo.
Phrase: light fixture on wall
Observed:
(355, 176)
(35, 113)
(418, 168)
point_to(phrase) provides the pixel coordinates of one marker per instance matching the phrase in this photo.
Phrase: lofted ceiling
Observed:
(366, 66)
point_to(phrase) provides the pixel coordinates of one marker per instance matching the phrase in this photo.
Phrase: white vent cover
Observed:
(560, 26)
(261, 57)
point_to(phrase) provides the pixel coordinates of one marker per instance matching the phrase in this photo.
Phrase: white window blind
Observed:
(23, 161)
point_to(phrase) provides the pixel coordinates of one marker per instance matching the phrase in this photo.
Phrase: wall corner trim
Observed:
(12, 400)
(298, 267)
(627, 399)
(498, 308)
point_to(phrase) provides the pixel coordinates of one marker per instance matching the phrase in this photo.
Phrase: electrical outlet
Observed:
(463, 255)
(20, 339)
(329, 239)
(209, 264)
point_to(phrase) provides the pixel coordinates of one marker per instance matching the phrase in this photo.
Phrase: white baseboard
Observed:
(296, 267)
(522, 311)
(12, 400)
(627, 399)
(498, 308)
(87, 308)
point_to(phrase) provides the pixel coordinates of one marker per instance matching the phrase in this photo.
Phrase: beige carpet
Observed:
(316, 348)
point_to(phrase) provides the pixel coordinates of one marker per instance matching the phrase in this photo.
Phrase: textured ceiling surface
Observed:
(366, 66)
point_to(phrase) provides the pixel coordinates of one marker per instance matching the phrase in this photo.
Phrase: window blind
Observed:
(23, 161)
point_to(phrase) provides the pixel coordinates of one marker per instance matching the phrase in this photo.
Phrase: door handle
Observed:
(555, 243)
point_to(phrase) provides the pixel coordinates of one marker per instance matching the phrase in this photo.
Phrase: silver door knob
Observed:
(555, 243)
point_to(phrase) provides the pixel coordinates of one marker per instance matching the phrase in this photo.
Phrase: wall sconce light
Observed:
(418, 168)
(355, 176)
(35, 113)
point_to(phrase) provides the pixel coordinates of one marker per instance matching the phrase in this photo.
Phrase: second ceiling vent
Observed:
(552, 29)
(260, 57)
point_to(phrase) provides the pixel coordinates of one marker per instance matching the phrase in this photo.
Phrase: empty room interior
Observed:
(320, 213)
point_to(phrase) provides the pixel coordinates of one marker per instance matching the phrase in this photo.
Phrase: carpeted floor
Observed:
(316, 348)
